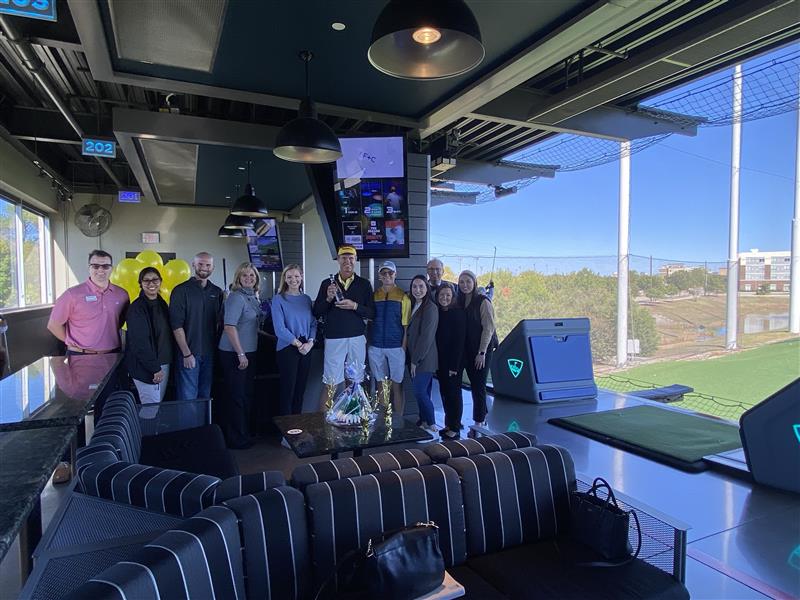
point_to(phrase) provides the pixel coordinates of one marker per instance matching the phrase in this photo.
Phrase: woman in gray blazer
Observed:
(423, 357)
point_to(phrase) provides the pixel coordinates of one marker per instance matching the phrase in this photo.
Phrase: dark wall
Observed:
(28, 337)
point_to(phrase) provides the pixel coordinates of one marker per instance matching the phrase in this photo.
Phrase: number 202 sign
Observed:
(33, 9)
(92, 147)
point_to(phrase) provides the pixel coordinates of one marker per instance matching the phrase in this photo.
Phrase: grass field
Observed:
(746, 377)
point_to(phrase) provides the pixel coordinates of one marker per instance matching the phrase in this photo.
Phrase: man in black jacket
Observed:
(345, 318)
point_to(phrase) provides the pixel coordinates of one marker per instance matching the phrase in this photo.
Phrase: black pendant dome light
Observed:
(249, 205)
(306, 139)
(237, 221)
(425, 39)
(231, 233)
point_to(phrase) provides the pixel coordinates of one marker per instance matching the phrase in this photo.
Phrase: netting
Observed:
(770, 87)
(697, 401)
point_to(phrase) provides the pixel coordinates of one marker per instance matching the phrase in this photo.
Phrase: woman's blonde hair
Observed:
(241, 269)
(282, 287)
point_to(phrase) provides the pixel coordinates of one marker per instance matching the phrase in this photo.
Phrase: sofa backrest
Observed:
(119, 426)
(164, 490)
(345, 514)
(201, 558)
(275, 543)
(515, 497)
(341, 468)
(441, 452)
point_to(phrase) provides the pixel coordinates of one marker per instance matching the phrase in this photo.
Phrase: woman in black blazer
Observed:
(450, 338)
(148, 342)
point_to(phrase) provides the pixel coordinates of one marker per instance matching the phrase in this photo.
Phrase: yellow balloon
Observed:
(151, 258)
(176, 271)
(165, 292)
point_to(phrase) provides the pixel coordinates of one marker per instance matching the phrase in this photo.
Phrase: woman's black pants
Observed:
(294, 368)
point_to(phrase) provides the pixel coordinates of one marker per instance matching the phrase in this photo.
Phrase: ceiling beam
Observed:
(45, 123)
(593, 24)
(497, 173)
(733, 24)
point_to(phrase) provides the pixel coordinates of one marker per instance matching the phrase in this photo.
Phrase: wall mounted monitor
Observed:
(371, 195)
(265, 249)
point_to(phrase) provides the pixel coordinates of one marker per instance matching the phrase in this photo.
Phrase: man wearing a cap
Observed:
(345, 320)
(386, 352)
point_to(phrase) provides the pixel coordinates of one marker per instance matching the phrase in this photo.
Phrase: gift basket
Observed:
(352, 407)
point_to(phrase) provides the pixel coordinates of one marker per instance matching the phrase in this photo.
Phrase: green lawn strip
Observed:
(748, 376)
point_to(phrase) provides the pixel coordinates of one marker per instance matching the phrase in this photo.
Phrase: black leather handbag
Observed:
(603, 526)
(399, 565)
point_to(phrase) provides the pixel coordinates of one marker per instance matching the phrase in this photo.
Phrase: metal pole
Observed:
(372, 272)
(622, 251)
(794, 261)
(733, 227)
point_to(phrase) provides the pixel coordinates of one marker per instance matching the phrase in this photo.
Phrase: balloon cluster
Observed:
(126, 273)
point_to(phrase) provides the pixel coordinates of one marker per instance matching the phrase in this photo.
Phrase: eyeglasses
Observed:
(97, 267)
(151, 281)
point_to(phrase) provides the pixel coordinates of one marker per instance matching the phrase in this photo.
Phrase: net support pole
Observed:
(372, 272)
(623, 242)
(794, 261)
(731, 318)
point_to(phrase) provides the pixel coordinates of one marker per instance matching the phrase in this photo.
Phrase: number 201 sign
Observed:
(33, 9)
(92, 147)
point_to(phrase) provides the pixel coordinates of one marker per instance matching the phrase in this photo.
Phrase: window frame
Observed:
(46, 258)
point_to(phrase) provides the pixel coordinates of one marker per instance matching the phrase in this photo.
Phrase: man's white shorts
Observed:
(338, 353)
(381, 358)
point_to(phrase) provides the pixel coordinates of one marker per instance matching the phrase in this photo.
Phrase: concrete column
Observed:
(623, 243)
(733, 224)
(794, 284)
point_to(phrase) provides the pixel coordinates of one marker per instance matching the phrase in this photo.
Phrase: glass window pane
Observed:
(33, 256)
(8, 253)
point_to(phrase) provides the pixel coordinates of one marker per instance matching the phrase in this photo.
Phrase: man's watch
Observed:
(187, 355)
(482, 353)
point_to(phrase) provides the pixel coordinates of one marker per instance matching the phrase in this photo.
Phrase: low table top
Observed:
(317, 437)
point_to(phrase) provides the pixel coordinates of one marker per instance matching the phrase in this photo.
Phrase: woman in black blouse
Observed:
(450, 336)
(148, 342)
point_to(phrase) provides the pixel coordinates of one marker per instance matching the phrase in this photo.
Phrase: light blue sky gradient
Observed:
(680, 190)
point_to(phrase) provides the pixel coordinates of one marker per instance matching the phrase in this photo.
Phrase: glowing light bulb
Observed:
(426, 35)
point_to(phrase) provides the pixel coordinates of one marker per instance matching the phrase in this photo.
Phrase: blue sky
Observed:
(679, 203)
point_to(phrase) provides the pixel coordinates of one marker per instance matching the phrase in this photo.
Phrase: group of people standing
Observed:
(438, 328)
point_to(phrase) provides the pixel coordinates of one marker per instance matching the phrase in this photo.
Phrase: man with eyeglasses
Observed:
(435, 269)
(88, 316)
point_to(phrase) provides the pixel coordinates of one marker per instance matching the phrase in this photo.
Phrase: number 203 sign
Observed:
(33, 9)
(90, 147)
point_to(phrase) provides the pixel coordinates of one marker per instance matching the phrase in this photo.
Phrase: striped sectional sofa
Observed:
(501, 505)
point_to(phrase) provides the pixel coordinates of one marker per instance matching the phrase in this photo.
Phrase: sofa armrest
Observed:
(663, 537)
(173, 492)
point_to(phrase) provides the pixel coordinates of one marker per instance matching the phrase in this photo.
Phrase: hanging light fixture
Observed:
(306, 139)
(249, 205)
(231, 233)
(420, 39)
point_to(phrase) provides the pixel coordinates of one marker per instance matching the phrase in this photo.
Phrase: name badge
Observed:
(91, 298)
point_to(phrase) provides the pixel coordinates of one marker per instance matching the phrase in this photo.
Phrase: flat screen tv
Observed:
(265, 249)
(372, 196)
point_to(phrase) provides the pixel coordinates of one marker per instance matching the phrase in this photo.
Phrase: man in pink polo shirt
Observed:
(88, 316)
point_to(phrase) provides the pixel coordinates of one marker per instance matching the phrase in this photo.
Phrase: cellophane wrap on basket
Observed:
(352, 407)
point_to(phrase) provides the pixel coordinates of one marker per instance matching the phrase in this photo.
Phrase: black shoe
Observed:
(449, 434)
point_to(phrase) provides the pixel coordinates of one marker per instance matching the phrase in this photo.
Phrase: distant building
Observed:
(667, 270)
(770, 269)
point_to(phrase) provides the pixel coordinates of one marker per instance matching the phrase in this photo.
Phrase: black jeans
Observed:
(294, 368)
(450, 390)
(239, 400)
(477, 381)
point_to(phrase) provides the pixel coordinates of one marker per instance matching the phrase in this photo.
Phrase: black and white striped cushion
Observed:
(516, 496)
(99, 452)
(444, 451)
(346, 513)
(173, 492)
(331, 470)
(200, 559)
(241, 485)
(123, 403)
(275, 543)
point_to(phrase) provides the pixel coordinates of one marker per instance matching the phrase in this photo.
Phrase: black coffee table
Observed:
(317, 437)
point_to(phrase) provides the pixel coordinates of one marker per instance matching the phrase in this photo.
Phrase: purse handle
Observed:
(600, 483)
